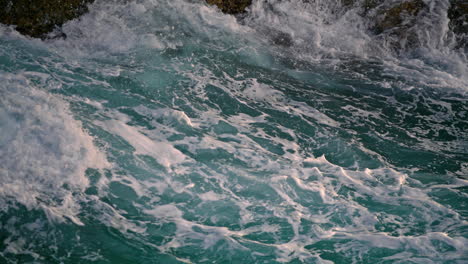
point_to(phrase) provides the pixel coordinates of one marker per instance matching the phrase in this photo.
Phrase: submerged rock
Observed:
(231, 6)
(282, 39)
(458, 15)
(37, 18)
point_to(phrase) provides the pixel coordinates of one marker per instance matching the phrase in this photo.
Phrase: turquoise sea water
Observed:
(166, 132)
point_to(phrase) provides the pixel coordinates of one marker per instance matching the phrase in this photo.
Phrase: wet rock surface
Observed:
(458, 15)
(231, 6)
(402, 15)
(398, 20)
(37, 18)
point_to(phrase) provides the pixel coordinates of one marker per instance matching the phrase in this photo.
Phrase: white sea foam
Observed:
(162, 151)
(44, 150)
(255, 177)
(321, 30)
(296, 180)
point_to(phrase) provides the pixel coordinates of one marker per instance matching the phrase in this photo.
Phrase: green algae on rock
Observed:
(37, 18)
(231, 6)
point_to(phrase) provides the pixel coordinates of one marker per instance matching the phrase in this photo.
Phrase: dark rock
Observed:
(231, 6)
(458, 15)
(401, 16)
(370, 4)
(37, 18)
(282, 39)
(366, 5)
(395, 19)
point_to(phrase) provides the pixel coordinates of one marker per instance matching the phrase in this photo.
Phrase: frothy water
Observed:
(165, 132)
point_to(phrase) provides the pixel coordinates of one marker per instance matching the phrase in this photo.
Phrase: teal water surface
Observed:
(167, 132)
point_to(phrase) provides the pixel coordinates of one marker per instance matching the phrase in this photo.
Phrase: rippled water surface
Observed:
(167, 132)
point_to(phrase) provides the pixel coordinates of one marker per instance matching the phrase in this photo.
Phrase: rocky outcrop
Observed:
(36, 18)
(231, 6)
(402, 16)
(391, 18)
(387, 15)
(398, 21)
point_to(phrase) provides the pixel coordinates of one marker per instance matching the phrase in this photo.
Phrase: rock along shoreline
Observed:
(38, 18)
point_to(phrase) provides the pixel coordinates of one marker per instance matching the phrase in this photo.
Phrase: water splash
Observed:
(292, 134)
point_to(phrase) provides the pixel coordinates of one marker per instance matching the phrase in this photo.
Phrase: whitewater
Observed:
(164, 131)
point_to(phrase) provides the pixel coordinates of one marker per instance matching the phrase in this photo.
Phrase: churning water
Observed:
(163, 131)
